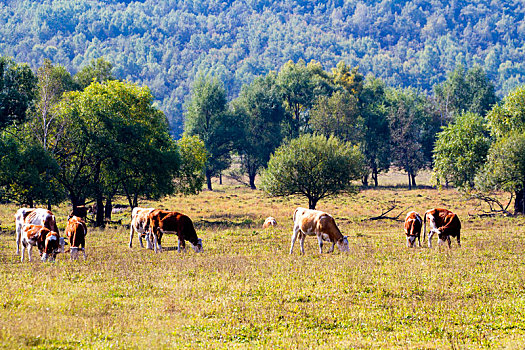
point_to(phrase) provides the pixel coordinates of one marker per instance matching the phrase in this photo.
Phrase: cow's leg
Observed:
(131, 229)
(23, 252)
(419, 240)
(430, 234)
(459, 240)
(294, 237)
(181, 246)
(449, 243)
(18, 234)
(332, 247)
(301, 240)
(29, 248)
(320, 241)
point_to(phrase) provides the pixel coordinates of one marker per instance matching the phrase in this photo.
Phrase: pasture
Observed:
(246, 291)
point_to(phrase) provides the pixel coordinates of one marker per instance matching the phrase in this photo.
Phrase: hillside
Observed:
(165, 44)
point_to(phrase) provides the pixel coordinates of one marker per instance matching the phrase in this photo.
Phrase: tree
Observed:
(98, 70)
(259, 108)
(114, 139)
(209, 119)
(312, 166)
(407, 119)
(375, 139)
(461, 150)
(193, 160)
(17, 91)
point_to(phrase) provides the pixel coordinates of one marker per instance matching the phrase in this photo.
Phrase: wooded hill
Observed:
(164, 44)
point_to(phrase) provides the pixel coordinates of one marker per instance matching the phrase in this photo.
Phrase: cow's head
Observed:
(198, 247)
(53, 246)
(411, 241)
(342, 244)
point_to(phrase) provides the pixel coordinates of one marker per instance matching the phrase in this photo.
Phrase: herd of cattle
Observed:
(37, 227)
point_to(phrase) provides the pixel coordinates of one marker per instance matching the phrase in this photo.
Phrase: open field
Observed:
(246, 291)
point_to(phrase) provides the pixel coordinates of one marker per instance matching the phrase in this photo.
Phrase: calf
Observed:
(48, 242)
(269, 222)
(139, 220)
(81, 211)
(76, 231)
(413, 223)
(443, 222)
(32, 216)
(315, 222)
(162, 221)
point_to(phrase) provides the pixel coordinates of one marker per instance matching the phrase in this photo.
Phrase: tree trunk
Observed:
(409, 181)
(107, 209)
(31, 203)
(374, 177)
(364, 180)
(99, 221)
(519, 202)
(413, 180)
(220, 179)
(312, 202)
(251, 176)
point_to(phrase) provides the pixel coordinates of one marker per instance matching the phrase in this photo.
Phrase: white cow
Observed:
(139, 220)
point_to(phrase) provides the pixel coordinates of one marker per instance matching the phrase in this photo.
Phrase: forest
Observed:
(166, 44)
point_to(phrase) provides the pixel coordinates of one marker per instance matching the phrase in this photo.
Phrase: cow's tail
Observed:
(425, 226)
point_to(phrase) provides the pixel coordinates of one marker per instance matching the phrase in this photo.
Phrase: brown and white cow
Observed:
(413, 224)
(269, 222)
(48, 242)
(139, 221)
(308, 222)
(32, 216)
(163, 221)
(443, 222)
(76, 231)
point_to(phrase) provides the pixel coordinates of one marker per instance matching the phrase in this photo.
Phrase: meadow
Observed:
(247, 291)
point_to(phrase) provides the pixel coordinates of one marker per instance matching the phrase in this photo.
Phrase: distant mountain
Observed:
(166, 43)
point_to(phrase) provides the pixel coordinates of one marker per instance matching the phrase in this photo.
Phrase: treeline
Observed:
(166, 44)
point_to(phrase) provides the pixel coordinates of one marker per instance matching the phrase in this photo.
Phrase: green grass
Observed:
(246, 291)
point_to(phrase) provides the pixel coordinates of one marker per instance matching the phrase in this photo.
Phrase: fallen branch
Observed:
(384, 217)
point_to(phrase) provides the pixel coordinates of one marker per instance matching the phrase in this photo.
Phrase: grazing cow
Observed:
(76, 231)
(269, 222)
(443, 222)
(162, 221)
(413, 223)
(81, 211)
(48, 242)
(315, 222)
(32, 216)
(139, 220)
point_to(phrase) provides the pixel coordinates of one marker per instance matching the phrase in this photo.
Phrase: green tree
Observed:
(190, 178)
(259, 108)
(114, 138)
(312, 166)
(17, 91)
(98, 70)
(209, 119)
(461, 150)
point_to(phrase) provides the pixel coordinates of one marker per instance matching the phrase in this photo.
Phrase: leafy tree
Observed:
(461, 150)
(98, 70)
(337, 115)
(375, 140)
(312, 166)
(350, 79)
(190, 178)
(407, 119)
(25, 167)
(260, 110)
(114, 138)
(209, 119)
(17, 91)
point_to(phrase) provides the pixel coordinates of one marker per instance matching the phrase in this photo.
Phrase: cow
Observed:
(81, 211)
(315, 222)
(162, 221)
(139, 220)
(76, 231)
(34, 216)
(48, 242)
(443, 222)
(413, 224)
(269, 222)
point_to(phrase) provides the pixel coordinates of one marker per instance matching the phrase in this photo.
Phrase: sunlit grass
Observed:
(245, 290)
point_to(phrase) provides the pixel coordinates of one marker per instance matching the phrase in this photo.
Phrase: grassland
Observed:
(246, 291)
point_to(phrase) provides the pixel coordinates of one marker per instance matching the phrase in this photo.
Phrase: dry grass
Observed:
(246, 291)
